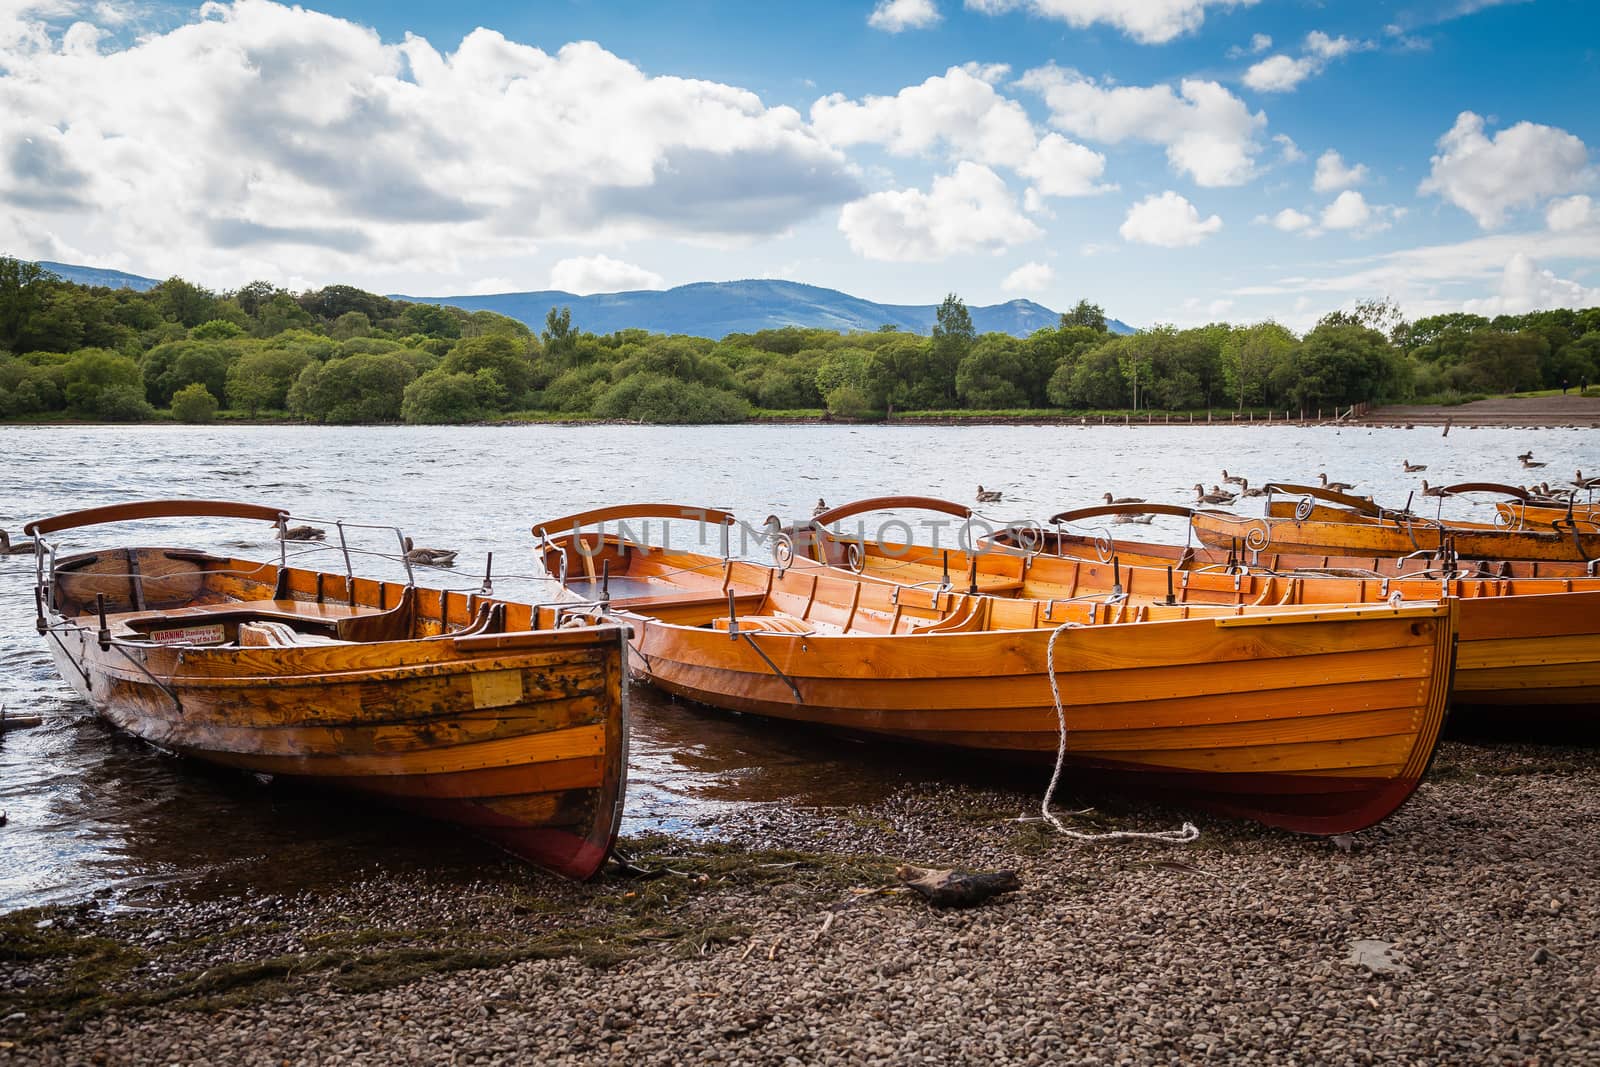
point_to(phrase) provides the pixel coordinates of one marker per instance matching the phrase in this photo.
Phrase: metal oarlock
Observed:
(104, 635)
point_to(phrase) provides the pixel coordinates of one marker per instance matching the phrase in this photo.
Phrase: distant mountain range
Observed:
(716, 309)
(704, 309)
(111, 279)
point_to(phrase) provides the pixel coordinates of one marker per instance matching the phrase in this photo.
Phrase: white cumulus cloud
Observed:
(893, 16)
(1523, 164)
(1168, 221)
(1322, 46)
(1290, 221)
(1279, 74)
(1288, 151)
(962, 115)
(959, 111)
(1029, 278)
(261, 135)
(1348, 211)
(1146, 21)
(601, 274)
(1209, 134)
(1283, 73)
(1570, 213)
(1333, 173)
(967, 211)
(1059, 167)
(1524, 287)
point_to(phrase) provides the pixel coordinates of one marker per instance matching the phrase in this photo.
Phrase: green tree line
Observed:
(342, 355)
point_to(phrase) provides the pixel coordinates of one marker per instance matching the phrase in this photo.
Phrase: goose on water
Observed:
(1231, 479)
(9, 547)
(1124, 499)
(1245, 490)
(1216, 496)
(1337, 487)
(1584, 483)
(1525, 456)
(1141, 519)
(1531, 463)
(988, 496)
(1412, 468)
(429, 557)
(302, 533)
(1431, 490)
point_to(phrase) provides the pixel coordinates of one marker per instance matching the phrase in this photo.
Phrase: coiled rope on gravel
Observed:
(1181, 836)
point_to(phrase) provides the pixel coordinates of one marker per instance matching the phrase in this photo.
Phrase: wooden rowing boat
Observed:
(459, 706)
(1524, 641)
(1317, 721)
(1307, 527)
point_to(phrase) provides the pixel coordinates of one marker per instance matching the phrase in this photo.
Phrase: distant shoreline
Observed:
(1570, 412)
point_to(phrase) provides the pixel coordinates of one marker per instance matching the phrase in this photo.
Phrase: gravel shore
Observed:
(1461, 930)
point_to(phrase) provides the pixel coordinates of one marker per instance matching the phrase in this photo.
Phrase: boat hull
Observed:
(1323, 723)
(1361, 536)
(523, 744)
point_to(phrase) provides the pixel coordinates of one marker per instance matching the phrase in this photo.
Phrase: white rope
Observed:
(1182, 836)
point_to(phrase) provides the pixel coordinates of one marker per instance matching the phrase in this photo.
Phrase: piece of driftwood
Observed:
(9, 721)
(957, 889)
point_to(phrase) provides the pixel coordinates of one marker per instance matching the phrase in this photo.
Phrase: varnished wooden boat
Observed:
(1317, 721)
(458, 706)
(1304, 526)
(1519, 511)
(1524, 641)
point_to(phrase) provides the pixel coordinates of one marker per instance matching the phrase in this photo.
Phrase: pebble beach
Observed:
(1460, 930)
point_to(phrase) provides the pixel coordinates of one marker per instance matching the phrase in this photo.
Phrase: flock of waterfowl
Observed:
(1294, 667)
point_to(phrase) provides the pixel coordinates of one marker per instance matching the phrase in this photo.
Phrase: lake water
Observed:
(92, 811)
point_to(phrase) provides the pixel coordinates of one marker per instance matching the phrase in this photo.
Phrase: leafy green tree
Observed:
(900, 374)
(576, 391)
(251, 297)
(1085, 314)
(350, 324)
(369, 387)
(184, 302)
(23, 286)
(1339, 363)
(1249, 358)
(848, 366)
(260, 379)
(995, 374)
(558, 338)
(216, 330)
(506, 356)
(651, 397)
(1096, 380)
(194, 403)
(96, 380)
(430, 319)
(278, 313)
(441, 396)
(953, 337)
(1506, 362)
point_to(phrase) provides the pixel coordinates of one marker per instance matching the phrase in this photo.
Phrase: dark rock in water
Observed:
(957, 889)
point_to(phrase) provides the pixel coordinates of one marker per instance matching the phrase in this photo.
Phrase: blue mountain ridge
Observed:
(716, 309)
(110, 279)
(702, 309)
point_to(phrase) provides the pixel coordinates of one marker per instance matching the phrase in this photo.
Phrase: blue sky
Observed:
(1172, 160)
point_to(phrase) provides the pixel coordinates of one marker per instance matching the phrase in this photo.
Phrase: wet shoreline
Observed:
(1479, 896)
